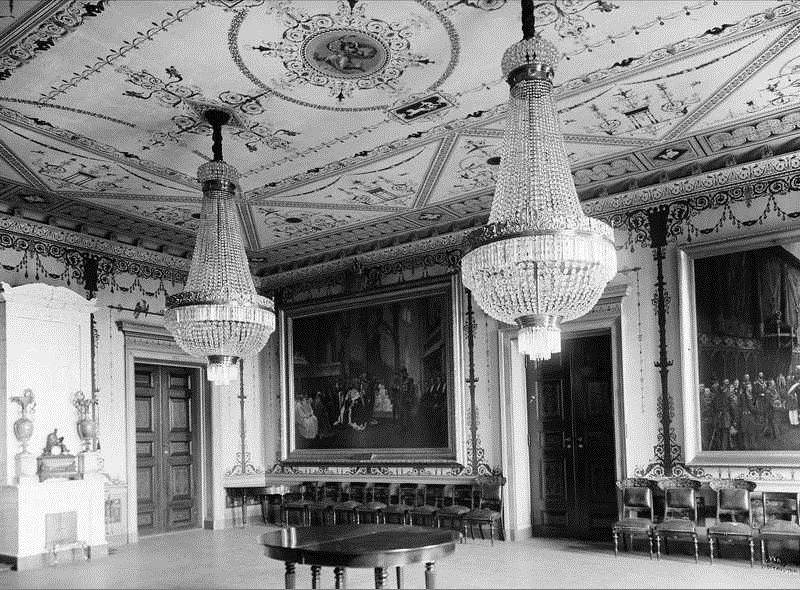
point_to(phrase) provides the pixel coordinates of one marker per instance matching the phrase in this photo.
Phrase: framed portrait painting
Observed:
(374, 378)
(740, 333)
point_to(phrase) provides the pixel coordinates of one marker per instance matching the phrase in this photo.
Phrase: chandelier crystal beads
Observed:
(219, 315)
(540, 260)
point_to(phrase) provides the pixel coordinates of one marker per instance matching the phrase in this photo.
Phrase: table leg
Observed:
(315, 569)
(339, 579)
(244, 507)
(430, 574)
(381, 576)
(399, 576)
(290, 575)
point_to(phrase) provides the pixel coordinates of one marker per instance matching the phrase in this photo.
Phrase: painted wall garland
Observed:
(656, 227)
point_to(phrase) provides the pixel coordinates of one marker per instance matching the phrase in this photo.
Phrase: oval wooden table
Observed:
(378, 546)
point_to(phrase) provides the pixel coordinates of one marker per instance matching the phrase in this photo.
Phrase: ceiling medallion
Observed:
(359, 58)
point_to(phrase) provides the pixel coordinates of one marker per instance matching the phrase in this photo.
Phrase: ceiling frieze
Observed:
(92, 244)
(693, 186)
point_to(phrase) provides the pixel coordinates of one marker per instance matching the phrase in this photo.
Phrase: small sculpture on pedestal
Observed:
(56, 460)
(23, 430)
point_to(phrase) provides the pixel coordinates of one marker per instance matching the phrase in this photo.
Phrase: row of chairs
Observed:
(456, 506)
(734, 521)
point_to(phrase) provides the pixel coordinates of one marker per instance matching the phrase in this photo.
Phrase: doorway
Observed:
(572, 439)
(167, 465)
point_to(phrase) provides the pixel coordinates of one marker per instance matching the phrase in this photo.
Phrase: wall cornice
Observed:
(91, 244)
(743, 176)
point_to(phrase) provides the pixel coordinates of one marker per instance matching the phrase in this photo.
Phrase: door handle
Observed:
(166, 452)
(579, 441)
(567, 442)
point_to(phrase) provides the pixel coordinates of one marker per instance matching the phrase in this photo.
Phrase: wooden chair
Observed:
(734, 515)
(460, 501)
(371, 511)
(297, 503)
(320, 511)
(344, 511)
(781, 518)
(490, 507)
(397, 513)
(680, 513)
(424, 514)
(637, 498)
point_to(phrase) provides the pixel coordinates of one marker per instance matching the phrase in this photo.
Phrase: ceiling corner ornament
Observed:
(358, 58)
(540, 260)
(219, 315)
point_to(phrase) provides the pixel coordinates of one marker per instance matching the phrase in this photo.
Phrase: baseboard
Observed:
(69, 554)
(521, 533)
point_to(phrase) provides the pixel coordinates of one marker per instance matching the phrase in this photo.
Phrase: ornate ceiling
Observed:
(358, 124)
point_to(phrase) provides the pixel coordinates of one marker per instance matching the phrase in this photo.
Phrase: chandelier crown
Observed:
(530, 52)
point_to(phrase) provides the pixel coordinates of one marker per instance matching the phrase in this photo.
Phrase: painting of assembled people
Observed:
(375, 376)
(748, 319)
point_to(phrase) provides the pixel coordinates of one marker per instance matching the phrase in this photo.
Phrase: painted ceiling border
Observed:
(666, 55)
(16, 118)
(772, 51)
(16, 164)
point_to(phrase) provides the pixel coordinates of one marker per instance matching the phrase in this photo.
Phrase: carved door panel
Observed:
(571, 421)
(166, 447)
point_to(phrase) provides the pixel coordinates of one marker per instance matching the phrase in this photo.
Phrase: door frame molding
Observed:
(145, 343)
(605, 317)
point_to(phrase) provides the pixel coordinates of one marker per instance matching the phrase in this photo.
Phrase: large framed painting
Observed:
(740, 350)
(374, 379)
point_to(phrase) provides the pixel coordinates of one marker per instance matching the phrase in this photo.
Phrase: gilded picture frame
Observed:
(374, 379)
(739, 313)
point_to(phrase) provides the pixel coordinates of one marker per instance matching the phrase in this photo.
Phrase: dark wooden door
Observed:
(571, 421)
(166, 443)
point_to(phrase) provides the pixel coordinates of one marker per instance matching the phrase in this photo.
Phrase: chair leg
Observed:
(752, 550)
(658, 547)
(711, 548)
(763, 550)
(696, 548)
(491, 533)
(650, 541)
(615, 535)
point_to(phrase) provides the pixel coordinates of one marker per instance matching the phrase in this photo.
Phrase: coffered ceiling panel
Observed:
(359, 123)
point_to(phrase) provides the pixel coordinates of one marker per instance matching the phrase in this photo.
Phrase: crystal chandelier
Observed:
(540, 260)
(219, 315)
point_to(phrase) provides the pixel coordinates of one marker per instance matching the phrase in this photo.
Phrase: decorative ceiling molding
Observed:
(91, 244)
(393, 253)
(737, 176)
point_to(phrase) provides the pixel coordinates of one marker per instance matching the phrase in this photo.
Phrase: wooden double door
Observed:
(166, 447)
(571, 422)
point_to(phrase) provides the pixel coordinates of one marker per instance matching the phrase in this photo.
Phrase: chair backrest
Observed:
(332, 491)
(491, 492)
(407, 494)
(380, 492)
(357, 491)
(461, 495)
(680, 498)
(637, 496)
(733, 499)
(781, 506)
(433, 494)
